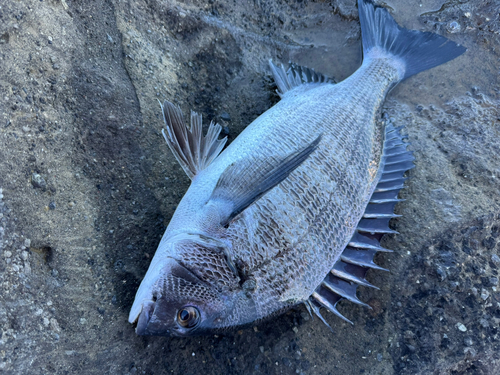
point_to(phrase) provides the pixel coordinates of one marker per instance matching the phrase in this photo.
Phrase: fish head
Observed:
(178, 298)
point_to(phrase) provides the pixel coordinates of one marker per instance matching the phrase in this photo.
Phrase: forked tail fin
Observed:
(416, 51)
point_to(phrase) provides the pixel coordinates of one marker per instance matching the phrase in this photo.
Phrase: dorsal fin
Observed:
(351, 268)
(295, 76)
(193, 151)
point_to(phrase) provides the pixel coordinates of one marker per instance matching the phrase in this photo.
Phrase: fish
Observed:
(293, 210)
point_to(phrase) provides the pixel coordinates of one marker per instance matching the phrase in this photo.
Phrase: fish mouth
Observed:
(155, 319)
(144, 318)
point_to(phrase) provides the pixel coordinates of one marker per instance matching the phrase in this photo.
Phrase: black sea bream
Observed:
(293, 210)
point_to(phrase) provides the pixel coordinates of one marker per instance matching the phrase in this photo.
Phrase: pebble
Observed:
(468, 341)
(7, 254)
(24, 255)
(225, 116)
(461, 327)
(379, 357)
(305, 316)
(38, 181)
(27, 242)
(495, 259)
(484, 294)
(484, 323)
(453, 27)
(471, 351)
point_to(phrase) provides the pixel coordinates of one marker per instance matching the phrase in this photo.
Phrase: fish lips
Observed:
(156, 319)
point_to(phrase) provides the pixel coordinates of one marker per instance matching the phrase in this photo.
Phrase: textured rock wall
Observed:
(87, 185)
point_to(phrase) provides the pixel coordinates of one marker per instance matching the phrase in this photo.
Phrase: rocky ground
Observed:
(87, 184)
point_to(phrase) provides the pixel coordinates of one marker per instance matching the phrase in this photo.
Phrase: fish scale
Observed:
(293, 210)
(331, 207)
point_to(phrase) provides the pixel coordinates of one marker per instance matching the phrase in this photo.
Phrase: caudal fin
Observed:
(416, 50)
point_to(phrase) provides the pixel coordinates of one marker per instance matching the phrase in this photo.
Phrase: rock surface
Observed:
(87, 185)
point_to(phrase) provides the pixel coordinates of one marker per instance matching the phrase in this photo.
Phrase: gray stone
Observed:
(38, 181)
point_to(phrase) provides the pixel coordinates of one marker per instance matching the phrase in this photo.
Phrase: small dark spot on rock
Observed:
(225, 116)
(495, 231)
(46, 252)
(4, 38)
(441, 273)
(286, 362)
(52, 206)
(489, 243)
(467, 250)
(118, 265)
(306, 365)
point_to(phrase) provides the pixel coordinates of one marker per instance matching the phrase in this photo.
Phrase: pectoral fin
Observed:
(245, 181)
(193, 151)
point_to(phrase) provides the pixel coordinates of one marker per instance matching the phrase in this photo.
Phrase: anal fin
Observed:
(357, 258)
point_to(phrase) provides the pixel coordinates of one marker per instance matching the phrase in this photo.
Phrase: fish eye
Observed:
(188, 317)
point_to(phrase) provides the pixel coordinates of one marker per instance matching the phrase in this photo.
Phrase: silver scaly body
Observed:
(264, 224)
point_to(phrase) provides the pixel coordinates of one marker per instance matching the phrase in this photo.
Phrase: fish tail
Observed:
(412, 51)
